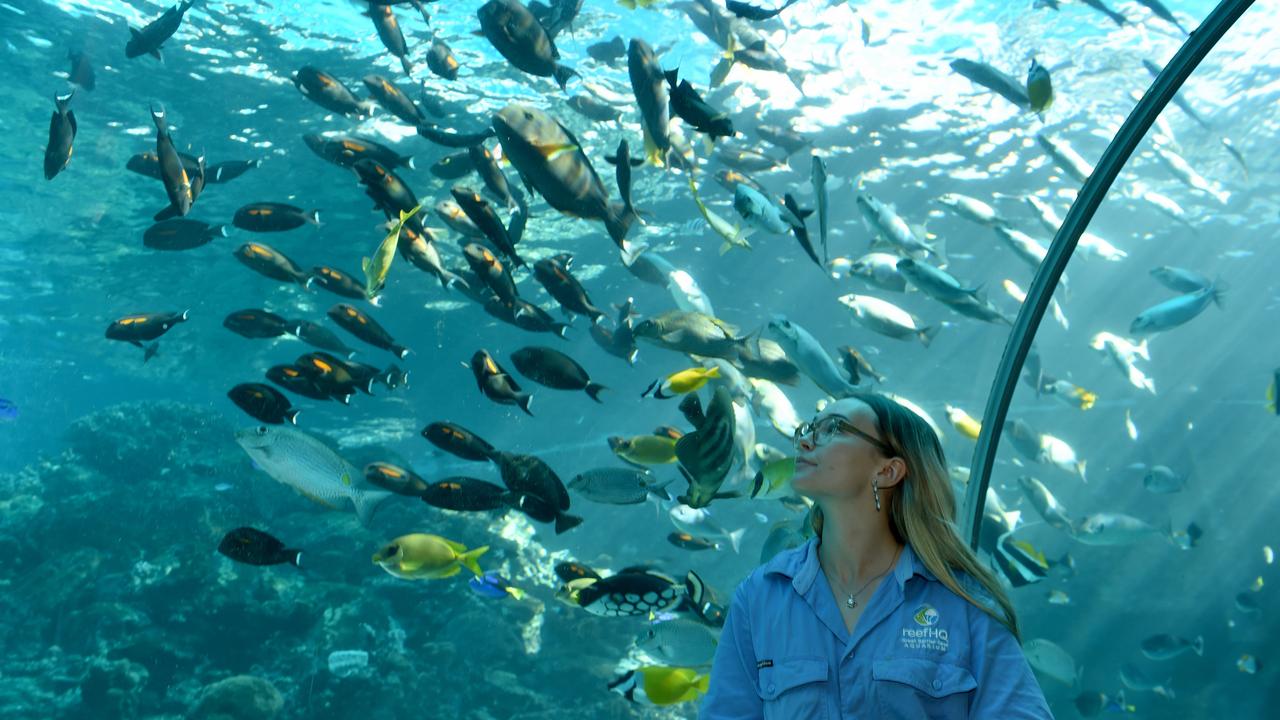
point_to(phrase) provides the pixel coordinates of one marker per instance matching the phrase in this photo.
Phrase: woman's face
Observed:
(841, 464)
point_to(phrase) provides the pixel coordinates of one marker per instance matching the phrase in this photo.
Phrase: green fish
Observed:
(377, 267)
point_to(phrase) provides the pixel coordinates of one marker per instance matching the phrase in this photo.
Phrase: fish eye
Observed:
(262, 429)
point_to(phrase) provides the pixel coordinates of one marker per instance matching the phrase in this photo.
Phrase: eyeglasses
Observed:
(823, 429)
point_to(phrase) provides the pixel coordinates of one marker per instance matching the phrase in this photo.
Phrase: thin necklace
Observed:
(850, 602)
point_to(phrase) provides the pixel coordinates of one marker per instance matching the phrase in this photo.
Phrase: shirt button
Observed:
(937, 684)
(771, 687)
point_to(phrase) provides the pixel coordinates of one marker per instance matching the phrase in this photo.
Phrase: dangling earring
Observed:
(875, 493)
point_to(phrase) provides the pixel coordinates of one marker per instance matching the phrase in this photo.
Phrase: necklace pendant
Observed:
(849, 601)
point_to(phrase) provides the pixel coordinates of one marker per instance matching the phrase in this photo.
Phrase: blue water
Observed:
(119, 496)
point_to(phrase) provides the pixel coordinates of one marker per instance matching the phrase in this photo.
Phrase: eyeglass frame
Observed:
(810, 429)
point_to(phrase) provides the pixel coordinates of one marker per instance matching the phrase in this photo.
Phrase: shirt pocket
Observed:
(916, 689)
(795, 689)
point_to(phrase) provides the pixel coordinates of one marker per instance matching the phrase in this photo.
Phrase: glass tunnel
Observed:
(497, 410)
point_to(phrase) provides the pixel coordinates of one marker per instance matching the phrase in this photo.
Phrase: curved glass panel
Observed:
(281, 443)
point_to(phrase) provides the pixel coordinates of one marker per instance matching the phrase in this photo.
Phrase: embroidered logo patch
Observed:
(926, 636)
(764, 664)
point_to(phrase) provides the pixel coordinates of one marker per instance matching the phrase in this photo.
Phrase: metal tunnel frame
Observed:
(1113, 160)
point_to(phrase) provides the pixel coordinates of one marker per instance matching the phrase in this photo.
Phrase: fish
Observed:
(177, 184)
(680, 642)
(625, 594)
(81, 72)
(484, 217)
(518, 36)
(755, 12)
(393, 99)
(594, 109)
(420, 251)
(492, 273)
(1116, 529)
(688, 105)
(153, 35)
(388, 192)
(8, 410)
(734, 235)
(1046, 504)
(329, 93)
(264, 217)
(560, 284)
(271, 263)
(62, 136)
(1050, 660)
(618, 486)
(459, 441)
(366, 328)
(377, 267)
(879, 270)
(975, 210)
(681, 382)
(1039, 88)
(644, 450)
(134, 329)
(493, 585)
(1125, 353)
(623, 163)
(181, 234)
(855, 364)
(1248, 664)
(994, 80)
(264, 403)
(648, 84)
(699, 521)
(440, 60)
(255, 547)
(773, 479)
(494, 181)
(887, 319)
(1177, 311)
(1101, 7)
(551, 160)
(551, 368)
(319, 336)
(396, 479)
(345, 150)
(229, 170)
(660, 685)
(253, 323)
(1065, 156)
(338, 282)
(818, 179)
(1164, 646)
(809, 356)
(421, 556)
(692, 332)
(465, 494)
(539, 492)
(788, 140)
(885, 221)
(1135, 679)
(706, 454)
(388, 28)
(1180, 280)
(496, 383)
(296, 459)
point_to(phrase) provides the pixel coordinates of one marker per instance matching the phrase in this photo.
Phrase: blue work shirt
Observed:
(918, 651)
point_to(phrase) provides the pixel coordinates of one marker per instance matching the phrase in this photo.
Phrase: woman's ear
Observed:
(892, 472)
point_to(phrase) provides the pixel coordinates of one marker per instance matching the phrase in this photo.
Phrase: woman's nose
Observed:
(805, 443)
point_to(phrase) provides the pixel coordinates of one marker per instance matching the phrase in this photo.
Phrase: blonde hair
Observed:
(922, 510)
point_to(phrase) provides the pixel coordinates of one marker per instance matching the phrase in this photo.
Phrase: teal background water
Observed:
(112, 513)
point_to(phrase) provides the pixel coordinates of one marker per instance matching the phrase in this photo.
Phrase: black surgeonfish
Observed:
(539, 492)
(317, 335)
(994, 80)
(81, 72)
(552, 161)
(392, 99)
(706, 454)
(366, 328)
(440, 60)
(748, 11)
(266, 217)
(388, 192)
(608, 52)
(399, 480)
(338, 282)
(453, 166)
(618, 341)
(272, 263)
(253, 323)
(384, 21)
(148, 163)
(526, 316)
(491, 272)
(133, 329)
(649, 86)
(594, 109)
(623, 163)
(420, 251)
(494, 179)
(496, 383)
(518, 36)
(457, 440)
(328, 92)
(229, 170)
(177, 184)
(557, 16)
(426, 17)
(293, 379)
(452, 138)
(62, 136)
(486, 218)
(465, 494)
(565, 288)
(264, 403)
(181, 234)
(551, 368)
(798, 227)
(148, 40)
(690, 107)
(254, 547)
(346, 150)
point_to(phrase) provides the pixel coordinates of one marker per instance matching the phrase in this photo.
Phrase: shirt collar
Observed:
(802, 567)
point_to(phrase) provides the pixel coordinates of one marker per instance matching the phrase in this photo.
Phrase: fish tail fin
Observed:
(1217, 290)
(367, 504)
(618, 222)
(735, 539)
(927, 334)
(593, 389)
(1198, 645)
(62, 101)
(525, 400)
(468, 559)
(562, 74)
(157, 116)
(407, 65)
(292, 416)
(1080, 469)
(400, 351)
(313, 217)
(219, 231)
(295, 558)
(566, 522)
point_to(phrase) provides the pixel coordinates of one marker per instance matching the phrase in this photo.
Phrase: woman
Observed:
(886, 613)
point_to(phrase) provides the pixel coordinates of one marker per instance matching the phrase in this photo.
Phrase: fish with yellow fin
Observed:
(377, 267)
(420, 556)
(968, 426)
(658, 685)
(681, 382)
